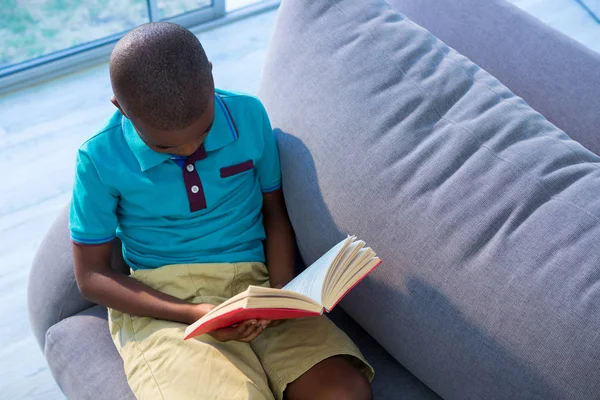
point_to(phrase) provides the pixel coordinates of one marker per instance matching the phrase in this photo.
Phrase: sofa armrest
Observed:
(83, 359)
(52, 293)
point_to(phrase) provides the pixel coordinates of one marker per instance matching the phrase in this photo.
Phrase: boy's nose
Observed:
(187, 150)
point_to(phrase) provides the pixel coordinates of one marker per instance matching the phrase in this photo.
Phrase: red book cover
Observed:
(244, 314)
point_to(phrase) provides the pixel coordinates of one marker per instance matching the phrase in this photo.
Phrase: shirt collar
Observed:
(222, 133)
(146, 157)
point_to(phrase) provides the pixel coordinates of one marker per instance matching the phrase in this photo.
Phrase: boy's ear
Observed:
(209, 63)
(113, 100)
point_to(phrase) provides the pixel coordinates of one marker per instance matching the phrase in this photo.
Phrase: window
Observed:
(45, 38)
(34, 32)
(171, 8)
(237, 4)
(579, 19)
(30, 29)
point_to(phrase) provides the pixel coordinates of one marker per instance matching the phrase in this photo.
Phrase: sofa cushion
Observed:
(392, 380)
(486, 215)
(84, 360)
(556, 75)
(86, 365)
(52, 292)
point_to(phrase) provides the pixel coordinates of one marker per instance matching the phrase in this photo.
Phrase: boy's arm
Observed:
(93, 222)
(101, 284)
(280, 247)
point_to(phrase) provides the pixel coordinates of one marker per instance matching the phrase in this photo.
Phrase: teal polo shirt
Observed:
(203, 209)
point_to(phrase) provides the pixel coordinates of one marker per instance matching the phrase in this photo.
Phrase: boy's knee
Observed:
(362, 389)
(354, 388)
(333, 378)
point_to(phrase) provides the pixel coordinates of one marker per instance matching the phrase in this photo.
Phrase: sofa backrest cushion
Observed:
(556, 75)
(486, 215)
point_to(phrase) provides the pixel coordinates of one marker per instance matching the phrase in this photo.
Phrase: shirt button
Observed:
(195, 189)
(190, 167)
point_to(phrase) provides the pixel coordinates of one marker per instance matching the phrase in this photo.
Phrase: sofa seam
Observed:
(52, 342)
(63, 305)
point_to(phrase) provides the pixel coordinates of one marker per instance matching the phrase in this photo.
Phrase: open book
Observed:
(317, 289)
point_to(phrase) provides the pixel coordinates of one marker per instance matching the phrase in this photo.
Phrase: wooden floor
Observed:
(40, 130)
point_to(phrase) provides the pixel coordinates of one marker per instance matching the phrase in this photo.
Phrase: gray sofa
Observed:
(486, 215)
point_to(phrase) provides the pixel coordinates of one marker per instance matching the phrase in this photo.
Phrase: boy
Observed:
(188, 178)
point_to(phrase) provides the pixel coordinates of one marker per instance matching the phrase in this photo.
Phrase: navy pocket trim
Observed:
(237, 169)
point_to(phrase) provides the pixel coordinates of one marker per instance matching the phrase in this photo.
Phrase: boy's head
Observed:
(162, 81)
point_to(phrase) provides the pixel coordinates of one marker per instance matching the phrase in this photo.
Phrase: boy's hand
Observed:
(197, 311)
(245, 331)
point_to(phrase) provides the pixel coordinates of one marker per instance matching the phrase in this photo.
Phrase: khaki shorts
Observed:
(159, 364)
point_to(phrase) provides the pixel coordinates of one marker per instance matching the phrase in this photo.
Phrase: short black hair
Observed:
(160, 72)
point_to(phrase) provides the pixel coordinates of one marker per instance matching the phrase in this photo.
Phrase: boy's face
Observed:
(182, 142)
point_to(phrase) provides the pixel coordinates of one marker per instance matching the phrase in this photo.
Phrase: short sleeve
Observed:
(268, 167)
(93, 218)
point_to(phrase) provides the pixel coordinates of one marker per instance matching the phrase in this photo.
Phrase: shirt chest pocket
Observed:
(236, 169)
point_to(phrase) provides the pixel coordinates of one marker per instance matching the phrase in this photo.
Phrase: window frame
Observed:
(78, 57)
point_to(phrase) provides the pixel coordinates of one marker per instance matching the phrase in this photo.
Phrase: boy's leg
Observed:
(311, 358)
(333, 378)
(308, 358)
(160, 365)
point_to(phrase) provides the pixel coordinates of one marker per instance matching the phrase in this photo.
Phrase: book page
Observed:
(263, 297)
(358, 271)
(259, 291)
(235, 299)
(310, 282)
(338, 269)
(270, 307)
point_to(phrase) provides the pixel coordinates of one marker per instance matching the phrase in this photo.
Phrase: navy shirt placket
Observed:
(193, 183)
